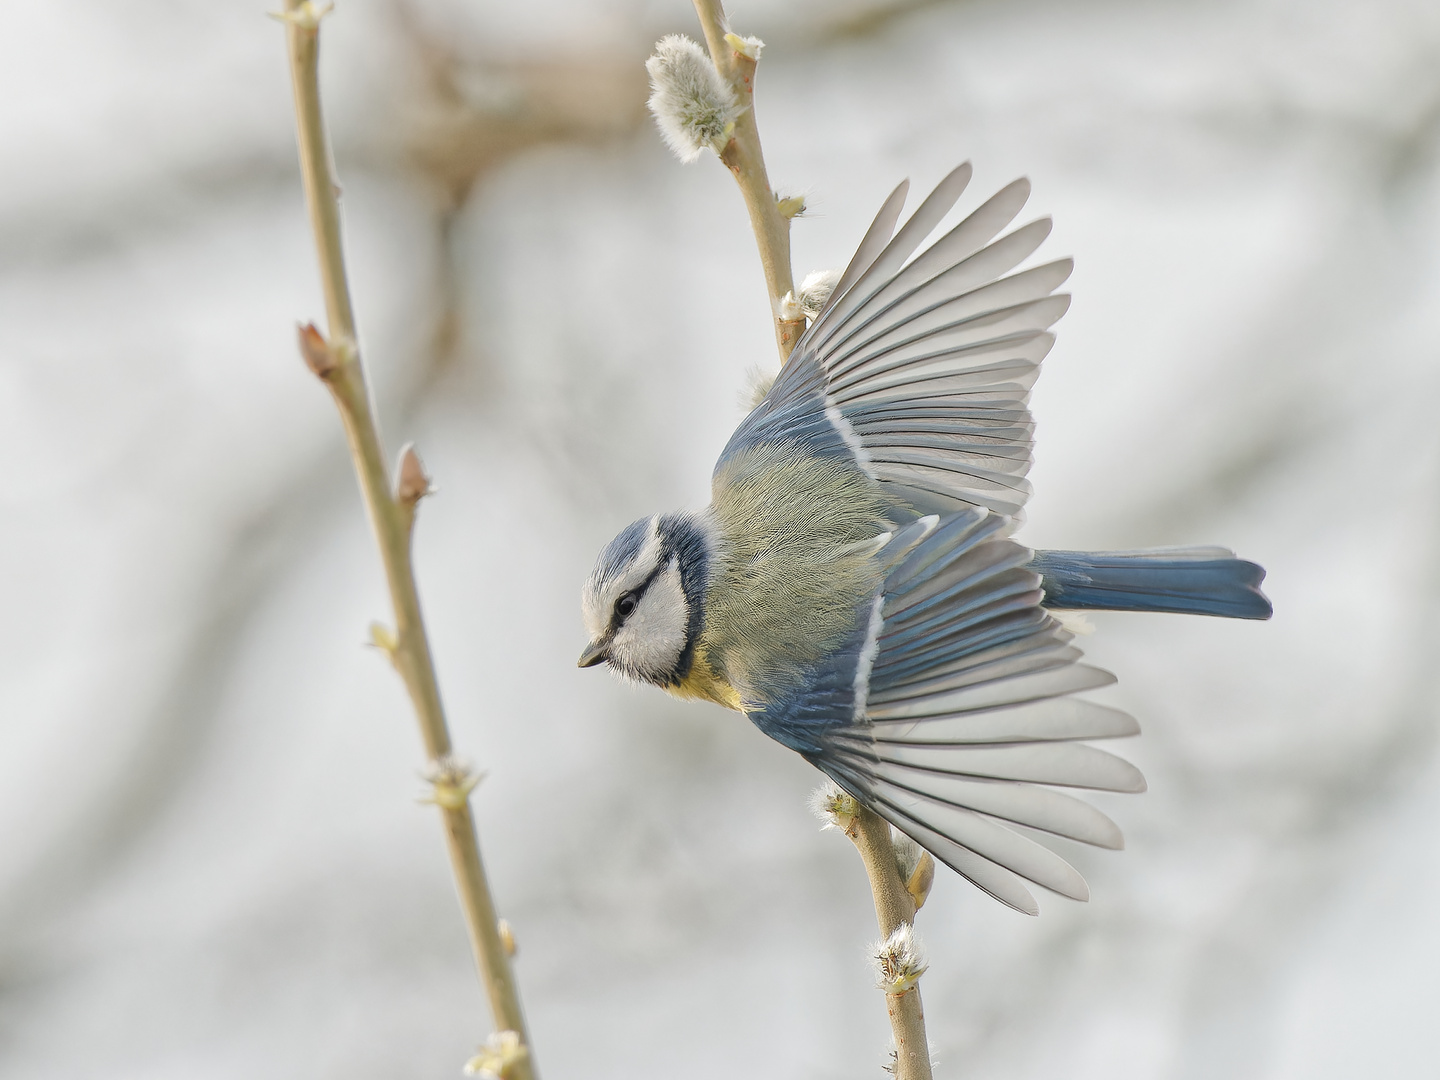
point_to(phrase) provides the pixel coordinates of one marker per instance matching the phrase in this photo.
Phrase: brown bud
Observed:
(316, 351)
(921, 880)
(412, 484)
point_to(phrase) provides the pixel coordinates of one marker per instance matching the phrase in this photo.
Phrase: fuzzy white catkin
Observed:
(898, 961)
(835, 807)
(757, 384)
(815, 290)
(693, 105)
(907, 854)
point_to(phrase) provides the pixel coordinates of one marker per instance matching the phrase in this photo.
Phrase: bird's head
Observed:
(644, 603)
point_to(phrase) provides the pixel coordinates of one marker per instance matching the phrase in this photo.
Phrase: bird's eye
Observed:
(626, 604)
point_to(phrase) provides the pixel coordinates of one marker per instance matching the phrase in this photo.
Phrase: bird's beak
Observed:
(594, 654)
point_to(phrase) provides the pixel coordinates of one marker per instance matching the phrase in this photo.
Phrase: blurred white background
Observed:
(212, 865)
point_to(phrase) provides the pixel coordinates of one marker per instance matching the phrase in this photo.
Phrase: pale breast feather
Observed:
(788, 579)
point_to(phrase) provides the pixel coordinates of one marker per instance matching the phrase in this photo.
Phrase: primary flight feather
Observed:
(853, 587)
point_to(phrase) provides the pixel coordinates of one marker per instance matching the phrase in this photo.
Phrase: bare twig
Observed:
(337, 363)
(742, 155)
(894, 907)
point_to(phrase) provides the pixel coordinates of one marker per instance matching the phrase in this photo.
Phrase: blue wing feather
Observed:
(951, 709)
(943, 338)
(956, 684)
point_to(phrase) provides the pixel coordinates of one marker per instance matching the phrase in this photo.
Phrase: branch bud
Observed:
(304, 16)
(748, 47)
(411, 484)
(788, 309)
(790, 206)
(899, 962)
(384, 639)
(498, 1057)
(834, 806)
(507, 937)
(315, 351)
(451, 781)
(815, 291)
(916, 866)
(893, 1065)
(757, 384)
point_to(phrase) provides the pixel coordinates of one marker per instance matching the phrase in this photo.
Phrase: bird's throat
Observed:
(705, 683)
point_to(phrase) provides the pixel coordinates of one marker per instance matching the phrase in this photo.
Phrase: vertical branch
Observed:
(392, 516)
(738, 146)
(735, 59)
(894, 907)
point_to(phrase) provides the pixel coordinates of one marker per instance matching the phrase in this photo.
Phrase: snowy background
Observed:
(212, 864)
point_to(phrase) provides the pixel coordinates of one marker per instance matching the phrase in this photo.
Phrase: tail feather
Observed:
(1190, 581)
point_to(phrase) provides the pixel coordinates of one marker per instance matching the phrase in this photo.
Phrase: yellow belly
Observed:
(703, 682)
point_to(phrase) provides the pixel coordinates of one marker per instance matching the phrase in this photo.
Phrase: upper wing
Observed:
(920, 372)
(953, 712)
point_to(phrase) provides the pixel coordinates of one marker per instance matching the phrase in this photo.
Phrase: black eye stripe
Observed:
(634, 595)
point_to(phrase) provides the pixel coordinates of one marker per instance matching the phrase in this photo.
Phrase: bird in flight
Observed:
(854, 587)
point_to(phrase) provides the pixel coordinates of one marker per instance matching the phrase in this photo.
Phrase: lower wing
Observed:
(954, 713)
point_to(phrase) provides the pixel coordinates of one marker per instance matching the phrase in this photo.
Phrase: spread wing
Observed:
(920, 371)
(954, 712)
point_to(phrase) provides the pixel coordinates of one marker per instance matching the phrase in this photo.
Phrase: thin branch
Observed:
(894, 907)
(745, 160)
(896, 899)
(337, 363)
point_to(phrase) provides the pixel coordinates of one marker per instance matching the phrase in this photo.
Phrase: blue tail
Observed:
(1191, 581)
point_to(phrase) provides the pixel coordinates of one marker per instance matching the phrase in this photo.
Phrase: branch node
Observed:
(815, 291)
(507, 937)
(412, 483)
(451, 781)
(338, 363)
(384, 639)
(790, 206)
(316, 352)
(916, 866)
(919, 883)
(748, 47)
(305, 15)
(835, 807)
(899, 962)
(498, 1058)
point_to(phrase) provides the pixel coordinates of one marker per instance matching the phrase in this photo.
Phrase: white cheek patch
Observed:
(653, 637)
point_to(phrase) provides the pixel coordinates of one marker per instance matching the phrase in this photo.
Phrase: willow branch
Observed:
(896, 899)
(336, 362)
(894, 906)
(746, 162)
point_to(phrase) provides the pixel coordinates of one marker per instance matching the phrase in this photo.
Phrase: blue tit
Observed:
(854, 588)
